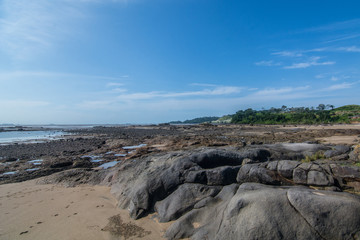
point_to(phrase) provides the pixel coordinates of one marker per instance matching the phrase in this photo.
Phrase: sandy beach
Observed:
(31, 211)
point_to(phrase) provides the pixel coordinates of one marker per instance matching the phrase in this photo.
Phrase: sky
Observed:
(154, 61)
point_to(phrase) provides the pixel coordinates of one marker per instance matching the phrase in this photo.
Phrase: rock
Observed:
(217, 158)
(196, 177)
(300, 176)
(332, 215)
(293, 151)
(287, 213)
(316, 178)
(183, 200)
(256, 173)
(222, 175)
(272, 166)
(61, 164)
(285, 168)
(337, 150)
(11, 159)
(345, 171)
(153, 179)
(82, 163)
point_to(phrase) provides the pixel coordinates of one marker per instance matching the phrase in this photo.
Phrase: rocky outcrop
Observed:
(246, 194)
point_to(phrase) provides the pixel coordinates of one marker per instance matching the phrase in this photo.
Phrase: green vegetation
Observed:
(348, 108)
(284, 115)
(316, 156)
(299, 115)
(196, 120)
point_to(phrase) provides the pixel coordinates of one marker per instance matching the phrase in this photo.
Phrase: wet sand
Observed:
(31, 211)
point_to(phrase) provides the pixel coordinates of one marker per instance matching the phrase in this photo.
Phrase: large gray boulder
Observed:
(256, 211)
(183, 200)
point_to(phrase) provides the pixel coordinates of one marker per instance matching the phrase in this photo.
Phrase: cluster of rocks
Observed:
(247, 194)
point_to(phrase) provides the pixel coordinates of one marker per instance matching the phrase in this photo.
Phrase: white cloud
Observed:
(349, 49)
(114, 84)
(343, 37)
(341, 86)
(267, 63)
(288, 53)
(313, 61)
(217, 91)
(279, 91)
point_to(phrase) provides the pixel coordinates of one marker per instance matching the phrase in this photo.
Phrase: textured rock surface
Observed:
(255, 211)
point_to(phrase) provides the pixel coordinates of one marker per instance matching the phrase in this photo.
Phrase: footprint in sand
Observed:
(39, 222)
(56, 215)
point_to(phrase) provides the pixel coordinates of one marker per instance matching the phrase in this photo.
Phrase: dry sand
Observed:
(31, 211)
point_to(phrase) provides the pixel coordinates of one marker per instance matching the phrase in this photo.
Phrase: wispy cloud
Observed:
(313, 61)
(343, 37)
(288, 53)
(333, 76)
(336, 26)
(268, 63)
(279, 91)
(114, 84)
(341, 86)
(217, 91)
(349, 49)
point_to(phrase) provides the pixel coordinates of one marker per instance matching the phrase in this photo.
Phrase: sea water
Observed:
(22, 136)
(108, 165)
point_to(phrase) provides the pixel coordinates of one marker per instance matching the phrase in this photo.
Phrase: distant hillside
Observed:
(196, 120)
(348, 108)
(299, 115)
(284, 115)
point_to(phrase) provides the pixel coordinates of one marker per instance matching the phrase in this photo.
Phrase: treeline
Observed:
(299, 115)
(196, 120)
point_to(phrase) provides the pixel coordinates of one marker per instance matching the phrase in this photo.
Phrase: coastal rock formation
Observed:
(213, 193)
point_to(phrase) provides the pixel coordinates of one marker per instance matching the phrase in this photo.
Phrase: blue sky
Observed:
(142, 61)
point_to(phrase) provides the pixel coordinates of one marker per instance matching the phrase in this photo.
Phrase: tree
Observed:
(321, 107)
(330, 106)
